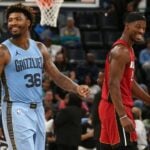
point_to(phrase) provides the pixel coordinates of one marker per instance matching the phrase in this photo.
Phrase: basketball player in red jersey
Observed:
(117, 123)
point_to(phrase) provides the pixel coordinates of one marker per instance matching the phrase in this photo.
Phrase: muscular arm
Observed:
(140, 93)
(4, 57)
(119, 57)
(60, 79)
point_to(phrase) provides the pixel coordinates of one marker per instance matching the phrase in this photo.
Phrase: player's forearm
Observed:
(66, 83)
(140, 93)
(59, 78)
(115, 94)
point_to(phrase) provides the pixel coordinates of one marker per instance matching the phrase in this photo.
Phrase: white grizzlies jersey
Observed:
(23, 73)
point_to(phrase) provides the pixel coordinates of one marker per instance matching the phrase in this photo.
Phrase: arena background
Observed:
(100, 23)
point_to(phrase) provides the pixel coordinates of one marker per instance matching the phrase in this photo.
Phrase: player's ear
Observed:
(29, 23)
(127, 25)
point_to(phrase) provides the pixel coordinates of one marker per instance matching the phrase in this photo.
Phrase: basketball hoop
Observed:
(49, 11)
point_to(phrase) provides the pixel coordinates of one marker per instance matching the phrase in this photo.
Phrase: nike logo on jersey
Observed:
(17, 53)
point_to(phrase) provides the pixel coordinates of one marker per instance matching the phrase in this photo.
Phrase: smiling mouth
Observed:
(139, 40)
(14, 29)
(139, 37)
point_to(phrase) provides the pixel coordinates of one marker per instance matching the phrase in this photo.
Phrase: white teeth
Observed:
(14, 28)
(139, 37)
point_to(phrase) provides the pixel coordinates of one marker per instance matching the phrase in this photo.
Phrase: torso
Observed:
(23, 72)
(127, 78)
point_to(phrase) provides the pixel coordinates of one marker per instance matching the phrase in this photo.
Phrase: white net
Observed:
(49, 12)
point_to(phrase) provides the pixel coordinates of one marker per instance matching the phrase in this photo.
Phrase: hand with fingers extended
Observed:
(127, 124)
(83, 90)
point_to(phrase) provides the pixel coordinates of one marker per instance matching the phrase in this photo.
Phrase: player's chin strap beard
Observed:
(141, 41)
(15, 36)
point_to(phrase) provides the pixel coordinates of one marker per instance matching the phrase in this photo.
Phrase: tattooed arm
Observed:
(60, 79)
(4, 57)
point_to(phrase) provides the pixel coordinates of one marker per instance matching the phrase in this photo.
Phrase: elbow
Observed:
(111, 86)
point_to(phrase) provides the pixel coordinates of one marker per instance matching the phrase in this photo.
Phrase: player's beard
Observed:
(141, 41)
(15, 36)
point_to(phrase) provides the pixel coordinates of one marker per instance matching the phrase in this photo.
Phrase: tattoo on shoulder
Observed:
(39, 44)
(3, 49)
(43, 50)
(2, 53)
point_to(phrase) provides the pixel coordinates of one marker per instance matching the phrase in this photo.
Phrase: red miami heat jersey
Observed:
(111, 130)
(126, 81)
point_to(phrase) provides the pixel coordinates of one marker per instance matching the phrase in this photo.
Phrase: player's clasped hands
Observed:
(83, 90)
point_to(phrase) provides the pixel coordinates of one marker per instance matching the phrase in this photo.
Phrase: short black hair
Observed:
(20, 9)
(74, 100)
(134, 16)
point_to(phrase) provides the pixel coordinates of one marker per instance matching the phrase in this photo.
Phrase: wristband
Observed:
(123, 117)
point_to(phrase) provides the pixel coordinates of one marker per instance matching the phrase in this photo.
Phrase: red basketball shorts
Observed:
(112, 132)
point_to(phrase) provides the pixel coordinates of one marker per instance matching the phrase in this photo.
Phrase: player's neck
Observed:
(21, 42)
(126, 38)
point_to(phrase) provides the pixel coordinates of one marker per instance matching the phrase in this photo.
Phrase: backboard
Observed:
(66, 3)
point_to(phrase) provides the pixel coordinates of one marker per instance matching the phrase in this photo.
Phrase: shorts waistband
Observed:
(32, 105)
